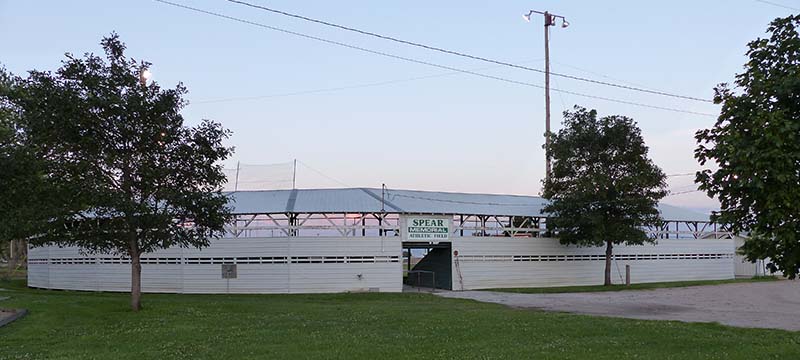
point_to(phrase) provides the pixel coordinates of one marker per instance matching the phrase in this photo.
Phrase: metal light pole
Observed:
(549, 20)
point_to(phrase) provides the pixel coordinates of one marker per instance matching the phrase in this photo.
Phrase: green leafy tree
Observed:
(131, 177)
(12, 157)
(603, 189)
(23, 204)
(756, 145)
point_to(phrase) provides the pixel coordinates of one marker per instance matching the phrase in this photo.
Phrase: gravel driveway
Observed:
(774, 304)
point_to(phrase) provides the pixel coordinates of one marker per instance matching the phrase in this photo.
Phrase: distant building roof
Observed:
(368, 200)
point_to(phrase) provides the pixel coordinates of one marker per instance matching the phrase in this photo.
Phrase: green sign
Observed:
(419, 228)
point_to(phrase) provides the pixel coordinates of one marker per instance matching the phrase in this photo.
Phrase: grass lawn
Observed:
(645, 286)
(84, 325)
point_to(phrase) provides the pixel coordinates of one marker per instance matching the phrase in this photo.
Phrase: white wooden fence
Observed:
(507, 262)
(263, 265)
(331, 264)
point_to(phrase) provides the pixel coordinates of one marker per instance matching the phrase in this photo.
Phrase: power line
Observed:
(683, 187)
(778, 5)
(280, 181)
(617, 201)
(389, 192)
(473, 57)
(683, 174)
(599, 74)
(322, 90)
(323, 174)
(684, 192)
(354, 47)
(274, 165)
(339, 88)
(283, 164)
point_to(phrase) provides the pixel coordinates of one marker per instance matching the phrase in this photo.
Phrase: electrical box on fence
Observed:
(229, 271)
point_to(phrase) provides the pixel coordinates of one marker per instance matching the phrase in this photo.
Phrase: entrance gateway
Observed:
(427, 251)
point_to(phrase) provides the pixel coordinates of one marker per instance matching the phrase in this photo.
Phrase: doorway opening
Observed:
(427, 266)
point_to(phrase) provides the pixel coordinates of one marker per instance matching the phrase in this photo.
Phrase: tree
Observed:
(603, 189)
(10, 177)
(22, 185)
(755, 143)
(131, 177)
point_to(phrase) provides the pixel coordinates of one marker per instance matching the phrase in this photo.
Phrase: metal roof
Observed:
(368, 200)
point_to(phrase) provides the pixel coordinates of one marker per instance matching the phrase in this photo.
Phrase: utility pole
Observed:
(294, 175)
(383, 213)
(236, 184)
(549, 20)
(383, 198)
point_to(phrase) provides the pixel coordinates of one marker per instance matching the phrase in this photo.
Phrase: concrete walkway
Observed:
(773, 305)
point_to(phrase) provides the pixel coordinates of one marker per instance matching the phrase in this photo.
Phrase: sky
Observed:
(358, 119)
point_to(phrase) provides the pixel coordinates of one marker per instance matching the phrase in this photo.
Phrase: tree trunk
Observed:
(22, 254)
(12, 259)
(607, 281)
(136, 280)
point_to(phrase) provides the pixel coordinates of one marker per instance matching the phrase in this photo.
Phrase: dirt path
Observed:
(773, 305)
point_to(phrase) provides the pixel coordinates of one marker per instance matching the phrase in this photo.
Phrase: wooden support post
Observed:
(627, 275)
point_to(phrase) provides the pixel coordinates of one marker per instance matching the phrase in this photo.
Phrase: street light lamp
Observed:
(527, 16)
(549, 20)
(145, 75)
